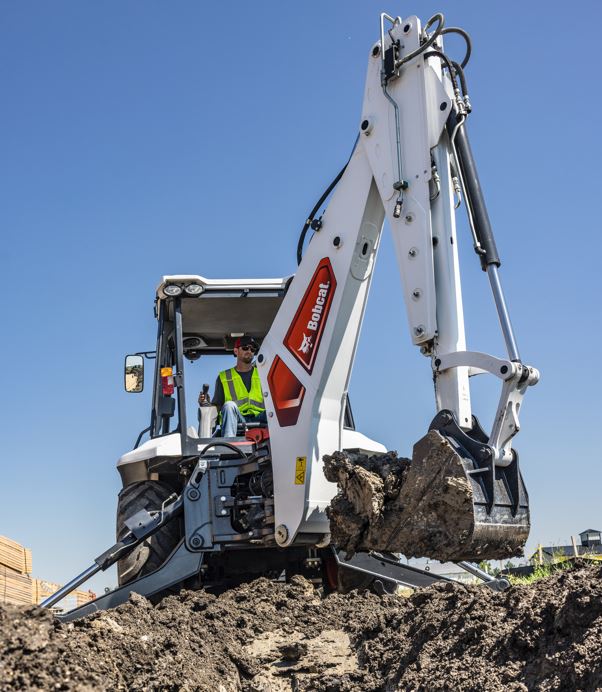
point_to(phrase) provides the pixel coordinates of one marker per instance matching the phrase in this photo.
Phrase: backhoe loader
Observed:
(205, 511)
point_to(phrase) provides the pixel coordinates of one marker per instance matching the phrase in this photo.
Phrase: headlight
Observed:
(172, 290)
(193, 289)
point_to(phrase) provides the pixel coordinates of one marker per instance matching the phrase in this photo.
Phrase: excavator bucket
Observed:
(450, 502)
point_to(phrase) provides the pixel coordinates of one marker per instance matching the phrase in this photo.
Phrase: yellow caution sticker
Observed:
(300, 466)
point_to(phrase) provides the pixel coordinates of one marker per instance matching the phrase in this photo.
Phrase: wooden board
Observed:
(15, 556)
(42, 589)
(15, 588)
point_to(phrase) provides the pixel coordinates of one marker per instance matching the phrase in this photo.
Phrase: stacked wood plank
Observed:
(82, 597)
(15, 556)
(18, 588)
(15, 588)
(15, 568)
(42, 589)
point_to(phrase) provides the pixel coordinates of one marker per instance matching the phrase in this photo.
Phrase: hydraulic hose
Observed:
(318, 204)
(460, 73)
(440, 19)
(465, 36)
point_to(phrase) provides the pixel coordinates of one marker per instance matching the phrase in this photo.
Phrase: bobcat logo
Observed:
(306, 344)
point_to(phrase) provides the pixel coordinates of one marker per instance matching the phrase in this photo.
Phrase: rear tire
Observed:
(153, 552)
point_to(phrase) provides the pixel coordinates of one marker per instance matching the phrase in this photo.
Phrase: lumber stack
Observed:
(15, 588)
(42, 589)
(15, 556)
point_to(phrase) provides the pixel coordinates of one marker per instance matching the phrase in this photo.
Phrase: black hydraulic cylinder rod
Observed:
(476, 199)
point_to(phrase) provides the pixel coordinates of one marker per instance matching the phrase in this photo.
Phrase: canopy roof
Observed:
(225, 309)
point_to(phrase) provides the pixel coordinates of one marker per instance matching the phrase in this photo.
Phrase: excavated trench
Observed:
(276, 636)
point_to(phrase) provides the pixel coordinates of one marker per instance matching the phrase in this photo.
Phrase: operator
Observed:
(237, 394)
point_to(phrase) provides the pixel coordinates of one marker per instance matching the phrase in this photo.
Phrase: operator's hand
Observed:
(202, 398)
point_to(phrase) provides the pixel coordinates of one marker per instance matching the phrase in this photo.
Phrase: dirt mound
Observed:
(273, 636)
(429, 506)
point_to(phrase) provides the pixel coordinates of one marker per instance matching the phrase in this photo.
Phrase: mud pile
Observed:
(421, 507)
(274, 636)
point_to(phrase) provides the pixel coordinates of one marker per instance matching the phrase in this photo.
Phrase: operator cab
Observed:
(196, 317)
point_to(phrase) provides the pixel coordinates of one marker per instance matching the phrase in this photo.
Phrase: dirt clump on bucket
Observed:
(276, 636)
(420, 507)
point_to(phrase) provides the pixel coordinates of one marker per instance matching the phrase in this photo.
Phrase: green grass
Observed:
(540, 572)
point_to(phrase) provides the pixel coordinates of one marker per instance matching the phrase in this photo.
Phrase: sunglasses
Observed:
(248, 348)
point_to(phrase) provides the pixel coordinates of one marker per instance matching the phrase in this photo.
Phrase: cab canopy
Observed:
(215, 312)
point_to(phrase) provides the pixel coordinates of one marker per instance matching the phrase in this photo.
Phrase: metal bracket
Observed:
(140, 522)
(516, 377)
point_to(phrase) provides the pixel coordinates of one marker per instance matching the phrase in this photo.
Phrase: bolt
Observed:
(504, 369)
(193, 494)
(337, 241)
(260, 358)
(406, 28)
(412, 252)
(271, 414)
(437, 362)
(281, 533)
(485, 452)
(443, 106)
(416, 293)
(365, 125)
(196, 542)
(419, 331)
(224, 511)
(409, 217)
(223, 498)
(376, 51)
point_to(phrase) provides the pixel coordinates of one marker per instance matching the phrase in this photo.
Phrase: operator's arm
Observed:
(218, 394)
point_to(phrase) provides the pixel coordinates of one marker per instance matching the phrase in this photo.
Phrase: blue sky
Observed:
(142, 139)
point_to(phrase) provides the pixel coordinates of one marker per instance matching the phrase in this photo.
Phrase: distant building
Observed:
(591, 546)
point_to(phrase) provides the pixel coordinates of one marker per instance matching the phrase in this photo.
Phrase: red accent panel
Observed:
(287, 393)
(304, 334)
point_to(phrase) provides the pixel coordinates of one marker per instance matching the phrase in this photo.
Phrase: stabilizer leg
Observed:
(181, 565)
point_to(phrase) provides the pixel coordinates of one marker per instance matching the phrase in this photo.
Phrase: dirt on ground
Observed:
(276, 636)
(421, 507)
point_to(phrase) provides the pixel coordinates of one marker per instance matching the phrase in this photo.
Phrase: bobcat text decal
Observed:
(304, 334)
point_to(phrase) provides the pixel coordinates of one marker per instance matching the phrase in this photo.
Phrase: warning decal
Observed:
(300, 466)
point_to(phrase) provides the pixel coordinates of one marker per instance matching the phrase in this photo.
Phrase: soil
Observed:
(421, 507)
(275, 636)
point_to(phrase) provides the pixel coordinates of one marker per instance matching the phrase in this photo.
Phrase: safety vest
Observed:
(249, 403)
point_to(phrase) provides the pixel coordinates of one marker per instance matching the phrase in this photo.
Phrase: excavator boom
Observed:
(411, 165)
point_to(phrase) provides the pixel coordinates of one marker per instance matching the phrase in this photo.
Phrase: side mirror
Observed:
(134, 374)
